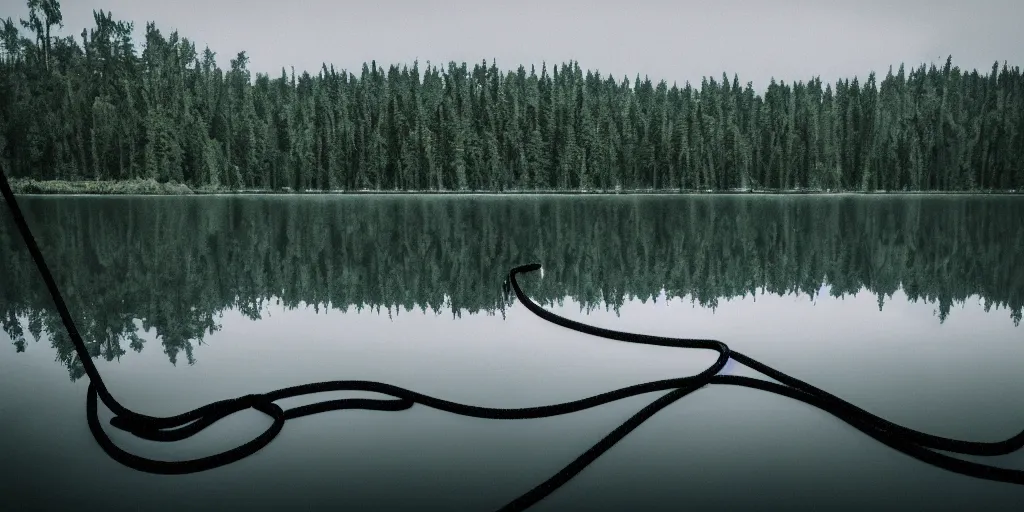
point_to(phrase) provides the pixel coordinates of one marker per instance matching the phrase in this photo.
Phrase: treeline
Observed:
(94, 107)
(174, 265)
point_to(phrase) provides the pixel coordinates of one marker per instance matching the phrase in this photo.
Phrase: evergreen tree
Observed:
(94, 107)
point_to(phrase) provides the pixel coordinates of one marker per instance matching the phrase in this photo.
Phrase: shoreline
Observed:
(152, 188)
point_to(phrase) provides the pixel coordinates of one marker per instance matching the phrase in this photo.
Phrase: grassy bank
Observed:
(152, 187)
(128, 187)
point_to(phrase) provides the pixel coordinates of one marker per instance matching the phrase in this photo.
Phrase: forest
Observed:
(95, 107)
(135, 269)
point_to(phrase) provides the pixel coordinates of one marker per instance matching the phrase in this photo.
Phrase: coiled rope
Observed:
(917, 444)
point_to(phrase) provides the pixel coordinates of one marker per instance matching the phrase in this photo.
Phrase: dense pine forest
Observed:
(94, 107)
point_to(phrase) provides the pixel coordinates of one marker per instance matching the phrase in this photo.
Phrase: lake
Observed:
(908, 306)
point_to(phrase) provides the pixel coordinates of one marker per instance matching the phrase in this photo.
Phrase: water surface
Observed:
(907, 306)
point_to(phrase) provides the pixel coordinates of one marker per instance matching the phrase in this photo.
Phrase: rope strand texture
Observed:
(914, 443)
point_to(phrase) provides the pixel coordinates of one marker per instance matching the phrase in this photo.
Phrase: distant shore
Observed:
(154, 188)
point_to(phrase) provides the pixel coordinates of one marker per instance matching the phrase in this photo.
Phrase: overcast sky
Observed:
(675, 40)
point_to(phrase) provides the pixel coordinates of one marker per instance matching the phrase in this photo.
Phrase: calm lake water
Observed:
(907, 306)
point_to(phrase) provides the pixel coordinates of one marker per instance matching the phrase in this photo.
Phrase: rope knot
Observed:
(261, 403)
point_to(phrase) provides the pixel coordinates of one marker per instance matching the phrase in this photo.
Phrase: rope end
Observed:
(526, 268)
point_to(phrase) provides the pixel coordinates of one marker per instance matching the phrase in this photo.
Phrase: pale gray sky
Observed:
(676, 40)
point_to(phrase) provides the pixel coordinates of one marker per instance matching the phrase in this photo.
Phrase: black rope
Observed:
(911, 442)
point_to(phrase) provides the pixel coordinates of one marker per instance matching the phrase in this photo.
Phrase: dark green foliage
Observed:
(96, 109)
(175, 265)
